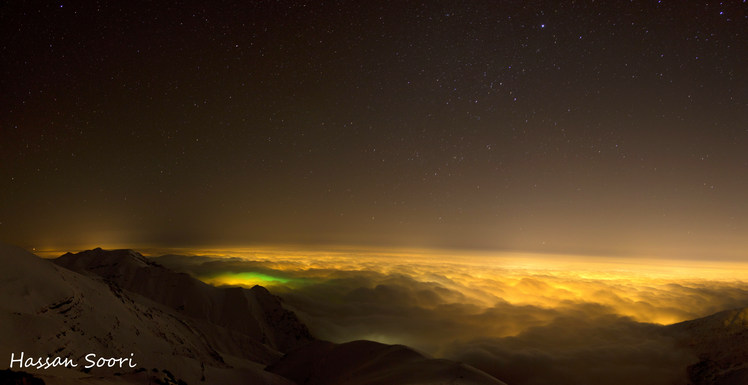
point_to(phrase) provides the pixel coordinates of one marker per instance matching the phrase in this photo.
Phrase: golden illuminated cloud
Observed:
(526, 318)
(646, 290)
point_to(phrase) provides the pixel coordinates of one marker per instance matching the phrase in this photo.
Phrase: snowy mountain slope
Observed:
(49, 310)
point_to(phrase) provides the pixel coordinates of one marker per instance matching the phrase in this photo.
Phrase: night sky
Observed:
(579, 127)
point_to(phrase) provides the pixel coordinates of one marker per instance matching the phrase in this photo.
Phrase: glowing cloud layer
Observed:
(506, 314)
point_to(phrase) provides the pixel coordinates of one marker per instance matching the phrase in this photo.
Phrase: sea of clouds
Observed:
(525, 320)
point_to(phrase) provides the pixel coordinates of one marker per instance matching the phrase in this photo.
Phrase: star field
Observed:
(581, 127)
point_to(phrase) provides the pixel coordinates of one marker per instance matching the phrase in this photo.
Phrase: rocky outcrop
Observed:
(721, 343)
(372, 363)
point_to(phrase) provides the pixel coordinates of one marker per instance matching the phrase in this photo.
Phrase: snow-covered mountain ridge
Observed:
(255, 313)
(175, 329)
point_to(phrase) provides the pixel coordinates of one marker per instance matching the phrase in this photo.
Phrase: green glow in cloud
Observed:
(249, 278)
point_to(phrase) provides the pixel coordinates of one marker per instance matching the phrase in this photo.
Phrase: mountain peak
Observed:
(105, 263)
